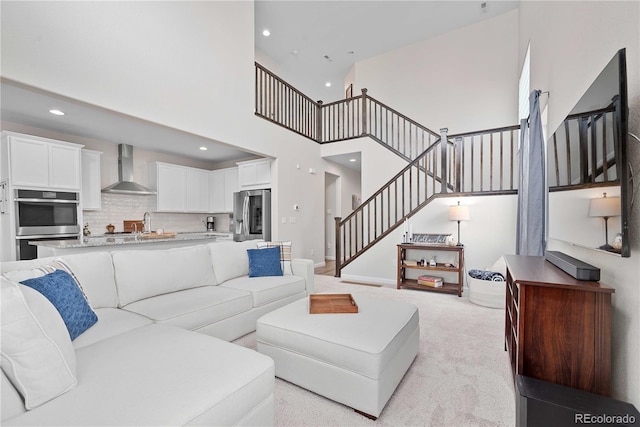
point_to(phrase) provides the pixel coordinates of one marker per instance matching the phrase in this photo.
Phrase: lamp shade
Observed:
(605, 206)
(458, 213)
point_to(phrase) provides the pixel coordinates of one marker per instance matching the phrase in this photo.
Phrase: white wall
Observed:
(486, 236)
(464, 80)
(565, 59)
(186, 65)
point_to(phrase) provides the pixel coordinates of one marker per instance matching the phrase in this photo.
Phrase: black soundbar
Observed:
(573, 267)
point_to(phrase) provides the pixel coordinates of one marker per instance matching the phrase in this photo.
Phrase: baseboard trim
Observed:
(373, 280)
(319, 264)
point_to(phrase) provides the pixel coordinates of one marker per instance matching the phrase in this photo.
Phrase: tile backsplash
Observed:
(119, 207)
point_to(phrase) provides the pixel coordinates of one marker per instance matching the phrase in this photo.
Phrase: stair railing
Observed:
(397, 200)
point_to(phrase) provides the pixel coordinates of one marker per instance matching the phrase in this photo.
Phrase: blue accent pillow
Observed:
(65, 295)
(264, 262)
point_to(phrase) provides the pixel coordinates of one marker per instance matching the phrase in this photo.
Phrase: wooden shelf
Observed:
(447, 287)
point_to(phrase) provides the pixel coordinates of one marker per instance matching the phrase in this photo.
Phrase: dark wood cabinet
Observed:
(557, 328)
(455, 267)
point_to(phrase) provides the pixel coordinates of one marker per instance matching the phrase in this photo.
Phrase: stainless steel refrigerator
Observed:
(252, 215)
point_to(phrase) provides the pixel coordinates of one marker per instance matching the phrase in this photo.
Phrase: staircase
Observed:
(438, 165)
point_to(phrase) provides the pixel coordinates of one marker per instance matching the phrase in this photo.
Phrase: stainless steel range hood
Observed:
(125, 185)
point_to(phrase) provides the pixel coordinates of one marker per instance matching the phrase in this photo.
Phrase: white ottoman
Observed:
(355, 359)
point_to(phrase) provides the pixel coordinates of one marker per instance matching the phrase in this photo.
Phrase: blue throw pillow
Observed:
(65, 295)
(264, 262)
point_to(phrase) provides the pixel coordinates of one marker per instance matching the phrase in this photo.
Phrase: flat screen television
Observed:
(587, 157)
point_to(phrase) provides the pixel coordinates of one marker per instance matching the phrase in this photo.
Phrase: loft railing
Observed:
(486, 161)
(284, 105)
(355, 117)
(583, 152)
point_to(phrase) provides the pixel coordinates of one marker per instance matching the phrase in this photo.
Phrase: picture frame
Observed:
(349, 91)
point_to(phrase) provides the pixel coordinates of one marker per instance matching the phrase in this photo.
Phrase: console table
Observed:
(557, 328)
(447, 287)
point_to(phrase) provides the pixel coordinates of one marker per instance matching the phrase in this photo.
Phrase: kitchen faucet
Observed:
(147, 222)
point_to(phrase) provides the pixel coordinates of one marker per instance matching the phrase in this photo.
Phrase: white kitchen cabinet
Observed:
(180, 188)
(90, 194)
(170, 182)
(222, 184)
(254, 174)
(42, 163)
(197, 190)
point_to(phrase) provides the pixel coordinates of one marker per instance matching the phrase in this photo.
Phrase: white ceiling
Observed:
(312, 28)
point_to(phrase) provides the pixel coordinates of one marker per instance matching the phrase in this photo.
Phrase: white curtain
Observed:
(532, 189)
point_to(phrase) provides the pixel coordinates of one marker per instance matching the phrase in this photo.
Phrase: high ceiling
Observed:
(312, 29)
(315, 42)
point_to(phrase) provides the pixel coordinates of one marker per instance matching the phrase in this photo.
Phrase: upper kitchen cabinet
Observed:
(42, 163)
(180, 188)
(222, 184)
(254, 174)
(170, 181)
(197, 190)
(90, 194)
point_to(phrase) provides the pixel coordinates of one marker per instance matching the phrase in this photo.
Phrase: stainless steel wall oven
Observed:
(44, 215)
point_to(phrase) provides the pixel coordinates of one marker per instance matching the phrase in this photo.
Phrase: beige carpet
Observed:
(461, 376)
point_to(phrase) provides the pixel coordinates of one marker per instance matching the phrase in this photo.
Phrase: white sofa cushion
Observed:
(230, 259)
(37, 355)
(267, 289)
(160, 375)
(111, 322)
(142, 274)
(94, 272)
(193, 308)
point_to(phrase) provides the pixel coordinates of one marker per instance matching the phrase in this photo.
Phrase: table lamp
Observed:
(605, 207)
(458, 213)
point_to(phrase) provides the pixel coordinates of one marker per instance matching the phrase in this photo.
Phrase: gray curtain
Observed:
(532, 189)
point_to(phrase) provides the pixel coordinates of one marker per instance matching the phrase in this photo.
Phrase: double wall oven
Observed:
(44, 215)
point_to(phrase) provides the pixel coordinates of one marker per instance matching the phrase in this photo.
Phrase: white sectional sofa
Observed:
(159, 352)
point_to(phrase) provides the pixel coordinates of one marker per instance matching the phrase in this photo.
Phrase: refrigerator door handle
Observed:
(245, 215)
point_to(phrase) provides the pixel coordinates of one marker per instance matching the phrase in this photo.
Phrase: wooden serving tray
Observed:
(332, 303)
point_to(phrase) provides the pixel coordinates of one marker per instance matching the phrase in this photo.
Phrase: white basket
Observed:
(487, 292)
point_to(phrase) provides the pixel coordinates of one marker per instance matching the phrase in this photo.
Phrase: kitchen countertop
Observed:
(127, 239)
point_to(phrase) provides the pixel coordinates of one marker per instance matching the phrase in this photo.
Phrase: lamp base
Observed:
(607, 247)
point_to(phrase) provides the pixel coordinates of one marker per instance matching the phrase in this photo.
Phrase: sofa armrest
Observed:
(304, 268)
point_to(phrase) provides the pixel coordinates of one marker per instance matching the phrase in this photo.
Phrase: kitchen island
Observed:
(107, 243)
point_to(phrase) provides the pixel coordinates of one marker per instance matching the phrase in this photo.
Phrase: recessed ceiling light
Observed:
(266, 33)
(57, 112)
(328, 84)
(203, 148)
(352, 160)
(294, 52)
(350, 52)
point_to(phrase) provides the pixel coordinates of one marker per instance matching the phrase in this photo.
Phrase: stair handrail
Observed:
(432, 163)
